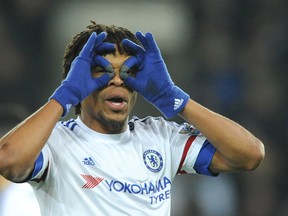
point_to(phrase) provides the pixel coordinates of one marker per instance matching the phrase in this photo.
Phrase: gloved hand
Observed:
(152, 79)
(79, 82)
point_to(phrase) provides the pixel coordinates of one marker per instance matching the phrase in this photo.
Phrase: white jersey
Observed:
(18, 199)
(82, 172)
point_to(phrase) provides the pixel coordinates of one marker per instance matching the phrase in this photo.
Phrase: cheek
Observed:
(91, 102)
(133, 99)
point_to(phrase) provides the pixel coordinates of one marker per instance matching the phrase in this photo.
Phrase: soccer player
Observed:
(102, 163)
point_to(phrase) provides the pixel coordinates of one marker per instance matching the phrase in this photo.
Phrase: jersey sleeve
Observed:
(197, 159)
(191, 151)
(46, 159)
(41, 167)
(204, 159)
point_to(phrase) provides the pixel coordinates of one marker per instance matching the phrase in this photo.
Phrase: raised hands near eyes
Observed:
(79, 82)
(152, 79)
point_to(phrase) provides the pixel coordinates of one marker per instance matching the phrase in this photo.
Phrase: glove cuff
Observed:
(171, 102)
(66, 96)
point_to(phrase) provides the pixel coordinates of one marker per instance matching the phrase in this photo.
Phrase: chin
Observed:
(114, 123)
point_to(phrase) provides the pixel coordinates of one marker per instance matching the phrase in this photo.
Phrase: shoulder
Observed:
(64, 130)
(68, 124)
(148, 121)
(159, 123)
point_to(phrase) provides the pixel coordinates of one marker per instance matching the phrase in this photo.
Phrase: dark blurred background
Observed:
(230, 56)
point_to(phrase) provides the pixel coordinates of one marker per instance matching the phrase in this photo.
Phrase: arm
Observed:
(237, 149)
(20, 147)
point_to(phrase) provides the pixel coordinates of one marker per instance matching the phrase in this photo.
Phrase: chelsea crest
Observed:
(153, 160)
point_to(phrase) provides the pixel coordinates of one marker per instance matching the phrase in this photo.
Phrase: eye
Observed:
(132, 71)
(97, 71)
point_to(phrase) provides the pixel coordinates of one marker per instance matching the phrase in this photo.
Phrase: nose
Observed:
(116, 80)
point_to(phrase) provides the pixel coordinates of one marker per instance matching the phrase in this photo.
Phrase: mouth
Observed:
(116, 100)
(116, 103)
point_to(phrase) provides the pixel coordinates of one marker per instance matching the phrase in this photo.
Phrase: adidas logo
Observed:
(88, 161)
(177, 103)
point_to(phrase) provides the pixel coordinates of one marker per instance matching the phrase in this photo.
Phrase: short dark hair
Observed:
(115, 34)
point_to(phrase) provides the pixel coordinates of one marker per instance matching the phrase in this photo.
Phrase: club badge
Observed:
(153, 160)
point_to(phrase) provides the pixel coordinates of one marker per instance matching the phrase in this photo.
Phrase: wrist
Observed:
(57, 107)
(171, 102)
(66, 96)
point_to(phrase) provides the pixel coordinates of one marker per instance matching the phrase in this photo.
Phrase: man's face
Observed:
(107, 110)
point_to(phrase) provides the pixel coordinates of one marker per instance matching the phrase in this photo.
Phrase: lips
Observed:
(116, 102)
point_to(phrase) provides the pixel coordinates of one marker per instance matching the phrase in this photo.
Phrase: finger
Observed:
(105, 46)
(100, 38)
(151, 41)
(88, 47)
(100, 61)
(131, 83)
(104, 63)
(133, 61)
(142, 38)
(131, 46)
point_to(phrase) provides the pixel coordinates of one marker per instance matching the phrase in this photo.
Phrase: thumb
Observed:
(132, 47)
(131, 82)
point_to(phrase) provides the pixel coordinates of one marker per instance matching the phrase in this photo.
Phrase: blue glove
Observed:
(79, 82)
(152, 79)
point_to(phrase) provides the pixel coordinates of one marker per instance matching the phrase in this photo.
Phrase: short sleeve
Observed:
(197, 156)
(204, 159)
(41, 166)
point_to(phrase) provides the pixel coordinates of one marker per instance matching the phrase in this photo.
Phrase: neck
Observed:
(104, 125)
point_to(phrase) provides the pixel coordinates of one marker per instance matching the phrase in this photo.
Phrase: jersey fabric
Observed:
(18, 199)
(83, 172)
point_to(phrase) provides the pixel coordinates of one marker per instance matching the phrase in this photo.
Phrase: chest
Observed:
(127, 160)
(129, 170)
